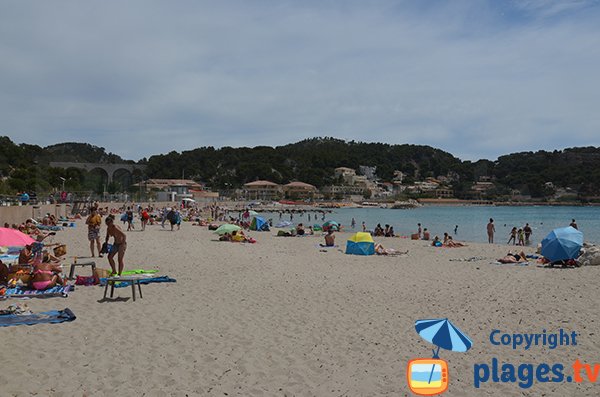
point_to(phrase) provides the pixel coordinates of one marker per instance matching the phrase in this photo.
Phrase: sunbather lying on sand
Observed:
(240, 237)
(380, 250)
(514, 258)
(452, 244)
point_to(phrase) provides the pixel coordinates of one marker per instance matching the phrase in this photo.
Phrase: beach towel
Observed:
(471, 259)
(50, 228)
(8, 258)
(160, 279)
(511, 263)
(52, 316)
(20, 292)
(138, 271)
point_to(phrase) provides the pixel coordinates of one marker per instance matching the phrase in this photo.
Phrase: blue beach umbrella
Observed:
(562, 243)
(442, 333)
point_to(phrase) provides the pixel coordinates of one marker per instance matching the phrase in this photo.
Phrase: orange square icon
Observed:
(427, 376)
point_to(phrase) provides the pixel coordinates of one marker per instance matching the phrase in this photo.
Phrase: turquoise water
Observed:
(471, 220)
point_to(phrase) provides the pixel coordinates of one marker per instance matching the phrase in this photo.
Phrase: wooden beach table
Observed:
(81, 264)
(133, 279)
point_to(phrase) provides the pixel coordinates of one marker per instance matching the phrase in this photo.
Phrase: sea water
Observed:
(471, 220)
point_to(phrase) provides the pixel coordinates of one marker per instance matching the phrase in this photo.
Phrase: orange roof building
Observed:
(299, 190)
(262, 190)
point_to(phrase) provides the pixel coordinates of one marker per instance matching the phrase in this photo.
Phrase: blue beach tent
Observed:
(259, 224)
(360, 244)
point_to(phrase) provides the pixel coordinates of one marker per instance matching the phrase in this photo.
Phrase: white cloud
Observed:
(143, 77)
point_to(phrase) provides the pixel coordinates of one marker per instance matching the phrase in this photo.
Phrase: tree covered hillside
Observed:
(25, 167)
(311, 161)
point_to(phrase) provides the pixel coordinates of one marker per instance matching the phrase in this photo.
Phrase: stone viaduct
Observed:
(110, 169)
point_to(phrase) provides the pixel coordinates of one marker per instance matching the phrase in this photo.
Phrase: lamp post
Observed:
(63, 183)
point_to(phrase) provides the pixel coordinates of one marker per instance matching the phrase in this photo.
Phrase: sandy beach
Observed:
(283, 318)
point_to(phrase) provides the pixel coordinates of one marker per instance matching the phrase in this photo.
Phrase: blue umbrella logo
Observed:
(443, 334)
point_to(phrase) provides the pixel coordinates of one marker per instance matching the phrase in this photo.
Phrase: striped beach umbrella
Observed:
(442, 333)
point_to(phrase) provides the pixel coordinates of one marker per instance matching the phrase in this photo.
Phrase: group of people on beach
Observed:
(119, 245)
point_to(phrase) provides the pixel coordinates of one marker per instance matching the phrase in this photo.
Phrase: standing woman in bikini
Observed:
(119, 244)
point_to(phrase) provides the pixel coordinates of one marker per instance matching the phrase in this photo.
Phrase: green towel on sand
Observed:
(138, 271)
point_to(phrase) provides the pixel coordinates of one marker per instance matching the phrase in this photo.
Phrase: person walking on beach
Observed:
(129, 214)
(145, 218)
(353, 223)
(573, 224)
(119, 244)
(490, 231)
(527, 230)
(419, 230)
(512, 236)
(456, 229)
(163, 217)
(94, 222)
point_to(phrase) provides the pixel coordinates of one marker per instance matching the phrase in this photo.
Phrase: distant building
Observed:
(482, 187)
(167, 184)
(299, 190)
(343, 191)
(347, 174)
(444, 193)
(262, 190)
(170, 189)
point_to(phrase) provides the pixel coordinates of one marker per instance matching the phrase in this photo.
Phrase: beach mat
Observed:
(20, 292)
(160, 279)
(49, 317)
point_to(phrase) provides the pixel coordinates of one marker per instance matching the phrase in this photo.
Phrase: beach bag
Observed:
(101, 273)
(60, 250)
(87, 280)
(414, 236)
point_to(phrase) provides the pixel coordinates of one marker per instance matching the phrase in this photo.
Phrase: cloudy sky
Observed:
(475, 78)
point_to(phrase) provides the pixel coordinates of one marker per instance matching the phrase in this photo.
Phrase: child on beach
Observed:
(521, 236)
(513, 236)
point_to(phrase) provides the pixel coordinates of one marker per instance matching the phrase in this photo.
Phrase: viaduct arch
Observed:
(110, 169)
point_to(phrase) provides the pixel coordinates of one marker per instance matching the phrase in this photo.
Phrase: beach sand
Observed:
(281, 317)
